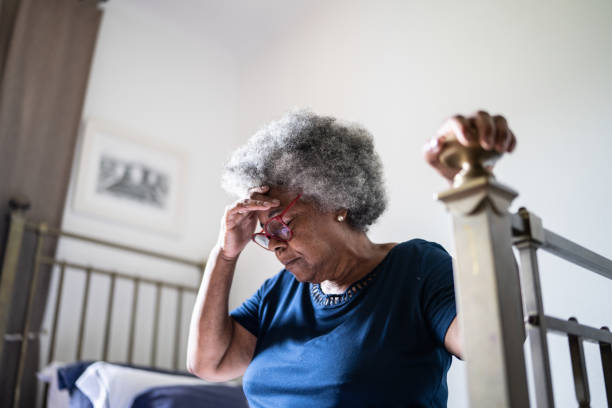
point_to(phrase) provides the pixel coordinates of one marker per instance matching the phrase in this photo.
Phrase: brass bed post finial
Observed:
(472, 161)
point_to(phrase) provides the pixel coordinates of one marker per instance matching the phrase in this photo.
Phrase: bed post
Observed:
(10, 263)
(486, 281)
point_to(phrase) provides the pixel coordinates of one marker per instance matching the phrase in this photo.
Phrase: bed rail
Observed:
(19, 227)
(497, 304)
(529, 236)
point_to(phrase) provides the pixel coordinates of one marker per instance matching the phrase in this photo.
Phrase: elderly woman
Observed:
(347, 322)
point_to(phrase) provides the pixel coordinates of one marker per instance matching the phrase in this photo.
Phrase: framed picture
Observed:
(129, 179)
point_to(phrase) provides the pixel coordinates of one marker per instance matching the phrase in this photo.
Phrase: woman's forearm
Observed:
(210, 330)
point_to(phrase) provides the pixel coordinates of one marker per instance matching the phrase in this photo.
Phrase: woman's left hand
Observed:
(490, 132)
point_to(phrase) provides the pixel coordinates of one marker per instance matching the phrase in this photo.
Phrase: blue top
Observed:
(378, 344)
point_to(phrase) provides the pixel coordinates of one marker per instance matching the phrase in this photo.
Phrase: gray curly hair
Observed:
(330, 162)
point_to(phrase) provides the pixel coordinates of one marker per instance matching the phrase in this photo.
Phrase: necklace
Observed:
(324, 299)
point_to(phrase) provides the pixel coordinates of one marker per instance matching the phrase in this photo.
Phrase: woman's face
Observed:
(309, 255)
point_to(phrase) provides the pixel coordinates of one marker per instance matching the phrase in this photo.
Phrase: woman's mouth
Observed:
(292, 262)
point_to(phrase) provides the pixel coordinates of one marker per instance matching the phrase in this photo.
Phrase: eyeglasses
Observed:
(275, 228)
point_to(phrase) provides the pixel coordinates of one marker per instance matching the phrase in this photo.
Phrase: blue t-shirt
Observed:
(380, 344)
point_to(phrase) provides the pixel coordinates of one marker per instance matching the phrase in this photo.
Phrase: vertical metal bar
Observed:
(532, 299)
(581, 383)
(109, 316)
(45, 395)
(155, 324)
(79, 351)
(177, 327)
(58, 302)
(10, 262)
(133, 320)
(606, 362)
(42, 228)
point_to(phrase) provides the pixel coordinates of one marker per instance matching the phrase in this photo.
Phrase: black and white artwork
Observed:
(130, 179)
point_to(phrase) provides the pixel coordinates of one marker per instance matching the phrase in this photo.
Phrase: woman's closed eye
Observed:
(289, 222)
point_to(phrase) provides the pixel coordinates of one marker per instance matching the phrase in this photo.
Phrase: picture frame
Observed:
(129, 179)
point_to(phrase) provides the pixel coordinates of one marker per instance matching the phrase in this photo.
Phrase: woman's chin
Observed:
(300, 274)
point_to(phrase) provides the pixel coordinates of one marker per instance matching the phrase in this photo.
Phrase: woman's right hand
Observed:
(239, 222)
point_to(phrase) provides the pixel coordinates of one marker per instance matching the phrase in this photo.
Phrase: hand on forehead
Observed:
(259, 193)
(266, 193)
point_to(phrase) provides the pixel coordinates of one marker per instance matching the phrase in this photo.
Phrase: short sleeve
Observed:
(247, 314)
(438, 292)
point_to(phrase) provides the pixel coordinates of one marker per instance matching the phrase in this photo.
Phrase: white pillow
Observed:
(111, 386)
(56, 398)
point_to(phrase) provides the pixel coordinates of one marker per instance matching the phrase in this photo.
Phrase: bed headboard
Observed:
(19, 227)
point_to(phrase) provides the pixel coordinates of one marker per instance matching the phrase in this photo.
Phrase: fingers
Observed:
(479, 129)
(504, 137)
(259, 190)
(259, 193)
(431, 150)
(485, 127)
(512, 144)
(490, 132)
(462, 128)
(246, 208)
(505, 141)
(249, 205)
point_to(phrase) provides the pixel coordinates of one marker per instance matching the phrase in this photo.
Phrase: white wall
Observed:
(205, 75)
(167, 82)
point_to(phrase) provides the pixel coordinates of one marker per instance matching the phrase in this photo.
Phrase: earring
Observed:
(340, 218)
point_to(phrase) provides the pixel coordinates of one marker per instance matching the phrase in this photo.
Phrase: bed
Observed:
(94, 384)
(92, 349)
(498, 307)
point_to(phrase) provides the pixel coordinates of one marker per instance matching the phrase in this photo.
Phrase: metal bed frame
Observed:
(18, 227)
(497, 308)
(496, 304)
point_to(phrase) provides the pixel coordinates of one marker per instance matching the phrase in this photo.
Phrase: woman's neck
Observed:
(358, 257)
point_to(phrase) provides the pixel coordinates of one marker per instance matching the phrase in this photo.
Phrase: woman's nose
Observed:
(276, 244)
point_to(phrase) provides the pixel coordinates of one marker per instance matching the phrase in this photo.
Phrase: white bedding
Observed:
(56, 398)
(109, 385)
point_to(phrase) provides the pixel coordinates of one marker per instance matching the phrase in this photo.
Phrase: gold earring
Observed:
(340, 218)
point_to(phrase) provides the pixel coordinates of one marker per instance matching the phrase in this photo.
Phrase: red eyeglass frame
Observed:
(279, 218)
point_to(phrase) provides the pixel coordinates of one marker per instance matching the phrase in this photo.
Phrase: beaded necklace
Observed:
(323, 299)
